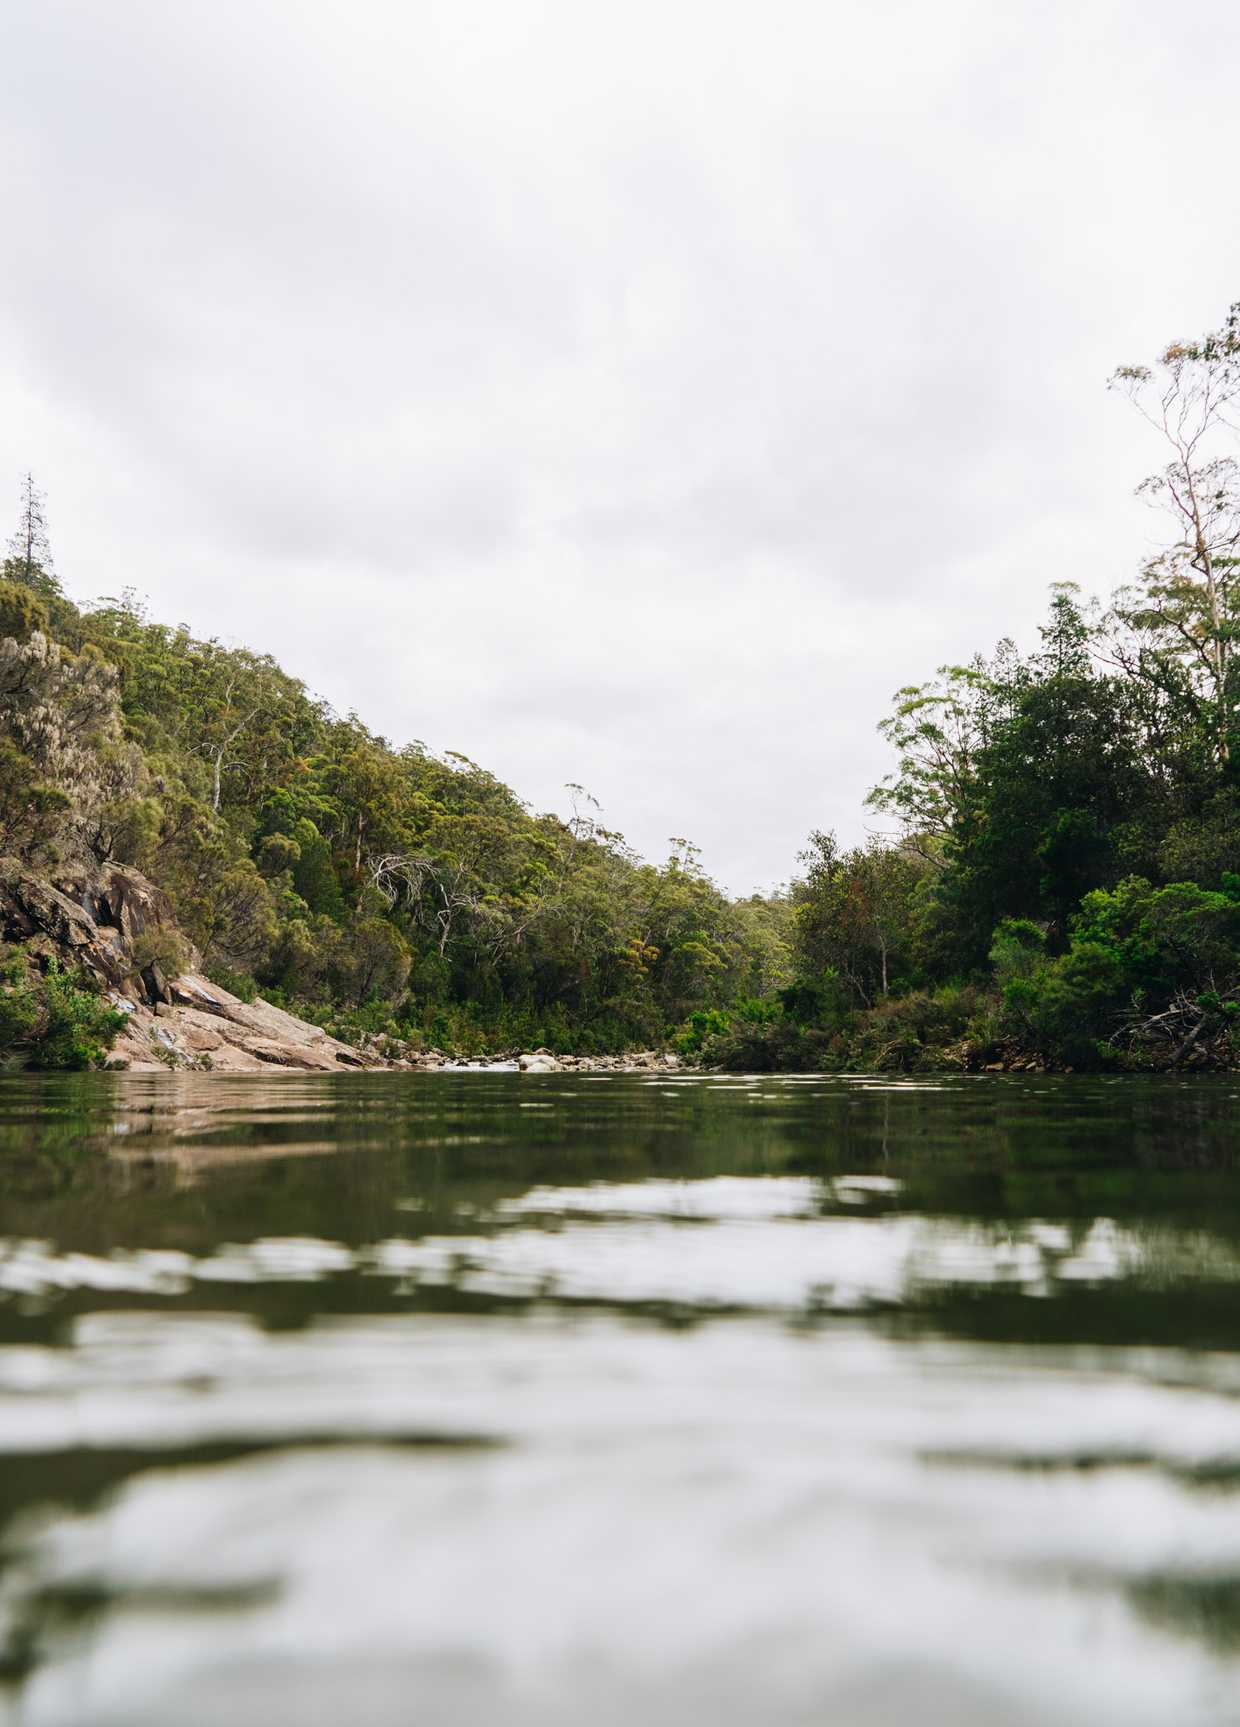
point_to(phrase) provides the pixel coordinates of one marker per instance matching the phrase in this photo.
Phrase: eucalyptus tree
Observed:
(855, 914)
(1184, 614)
(937, 730)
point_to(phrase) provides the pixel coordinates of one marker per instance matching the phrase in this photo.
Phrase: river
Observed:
(457, 1398)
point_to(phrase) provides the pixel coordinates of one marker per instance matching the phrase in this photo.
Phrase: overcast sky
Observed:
(628, 394)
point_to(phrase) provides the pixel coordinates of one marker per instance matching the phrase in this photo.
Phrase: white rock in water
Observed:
(539, 1064)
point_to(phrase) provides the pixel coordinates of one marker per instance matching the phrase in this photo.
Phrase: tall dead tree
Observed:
(30, 552)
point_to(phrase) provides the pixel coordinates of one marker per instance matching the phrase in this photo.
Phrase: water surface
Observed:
(490, 1397)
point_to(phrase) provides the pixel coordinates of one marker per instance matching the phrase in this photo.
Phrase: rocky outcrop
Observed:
(96, 922)
(203, 1026)
(120, 928)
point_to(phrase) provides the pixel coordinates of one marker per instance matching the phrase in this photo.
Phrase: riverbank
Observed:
(97, 973)
(1023, 1025)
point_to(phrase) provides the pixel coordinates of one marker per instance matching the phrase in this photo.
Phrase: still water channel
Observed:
(528, 1399)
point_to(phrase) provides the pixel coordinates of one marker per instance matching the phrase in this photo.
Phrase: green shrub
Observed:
(80, 1026)
(1177, 937)
(775, 1046)
(19, 1016)
(917, 1032)
(1017, 949)
(22, 612)
(59, 1022)
(1134, 946)
(703, 1025)
(1068, 1007)
(162, 948)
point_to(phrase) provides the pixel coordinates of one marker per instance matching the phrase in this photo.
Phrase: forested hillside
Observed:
(1053, 877)
(372, 887)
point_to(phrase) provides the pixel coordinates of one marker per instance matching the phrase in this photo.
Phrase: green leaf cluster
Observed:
(53, 1020)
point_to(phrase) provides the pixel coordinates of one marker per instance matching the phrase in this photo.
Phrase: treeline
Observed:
(1058, 879)
(372, 888)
